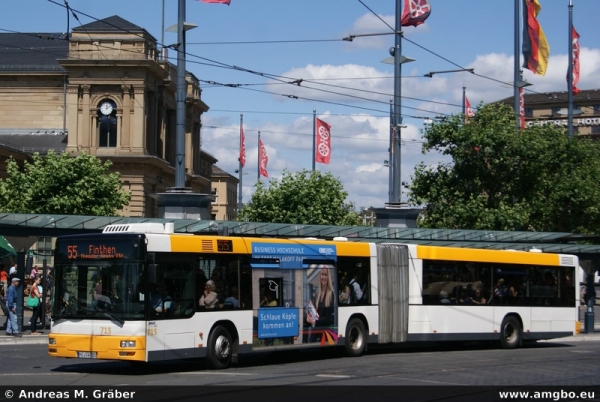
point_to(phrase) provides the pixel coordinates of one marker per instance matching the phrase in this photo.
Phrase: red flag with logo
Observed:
(468, 110)
(415, 12)
(263, 159)
(323, 142)
(576, 48)
(242, 147)
(217, 1)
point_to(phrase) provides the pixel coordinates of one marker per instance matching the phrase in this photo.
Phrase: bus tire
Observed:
(356, 338)
(511, 333)
(219, 348)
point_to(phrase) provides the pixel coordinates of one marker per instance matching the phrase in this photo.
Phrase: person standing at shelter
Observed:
(3, 279)
(12, 328)
(34, 272)
(36, 291)
(12, 273)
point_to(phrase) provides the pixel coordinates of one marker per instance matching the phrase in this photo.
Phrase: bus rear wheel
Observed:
(511, 333)
(356, 338)
(219, 348)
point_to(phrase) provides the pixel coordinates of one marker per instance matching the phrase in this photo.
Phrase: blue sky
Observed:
(302, 40)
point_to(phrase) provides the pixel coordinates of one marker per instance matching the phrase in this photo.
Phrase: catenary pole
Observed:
(397, 122)
(180, 100)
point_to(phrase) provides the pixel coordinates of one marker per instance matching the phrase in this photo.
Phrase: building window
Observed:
(43, 250)
(107, 124)
(596, 129)
(528, 112)
(597, 109)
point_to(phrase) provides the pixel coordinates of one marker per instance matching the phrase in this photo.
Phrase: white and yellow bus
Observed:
(135, 293)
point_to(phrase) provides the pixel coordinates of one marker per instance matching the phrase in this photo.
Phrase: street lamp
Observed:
(430, 74)
(182, 27)
(397, 59)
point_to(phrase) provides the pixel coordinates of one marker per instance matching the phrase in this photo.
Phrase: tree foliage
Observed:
(62, 184)
(501, 178)
(308, 197)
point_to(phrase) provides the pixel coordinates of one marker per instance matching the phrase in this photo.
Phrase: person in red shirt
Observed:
(3, 279)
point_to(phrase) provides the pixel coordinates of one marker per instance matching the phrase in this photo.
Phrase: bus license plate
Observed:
(86, 355)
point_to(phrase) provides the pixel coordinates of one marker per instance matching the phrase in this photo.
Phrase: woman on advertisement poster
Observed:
(320, 314)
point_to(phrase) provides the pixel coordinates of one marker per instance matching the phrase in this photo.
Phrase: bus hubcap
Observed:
(222, 347)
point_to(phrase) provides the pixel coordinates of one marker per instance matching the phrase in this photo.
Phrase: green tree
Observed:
(501, 178)
(307, 197)
(62, 184)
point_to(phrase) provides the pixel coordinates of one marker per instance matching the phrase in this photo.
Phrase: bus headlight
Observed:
(51, 341)
(128, 344)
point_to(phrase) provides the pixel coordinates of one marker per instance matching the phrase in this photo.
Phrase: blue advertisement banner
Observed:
(276, 322)
(293, 255)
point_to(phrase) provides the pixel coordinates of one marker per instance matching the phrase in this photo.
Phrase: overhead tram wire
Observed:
(266, 42)
(267, 75)
(99, 47)
(110, 62)
(328, 102)
(511, 84)
(224, 65)
(216, 63)
(410, 142)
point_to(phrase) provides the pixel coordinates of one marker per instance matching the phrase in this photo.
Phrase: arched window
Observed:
(107, 124)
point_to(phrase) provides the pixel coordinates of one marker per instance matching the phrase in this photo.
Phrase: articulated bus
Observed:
(142, 293)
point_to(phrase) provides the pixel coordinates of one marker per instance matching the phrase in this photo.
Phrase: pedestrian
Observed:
(34, 272)
(36, 291)
(3, 279)
(11, 302)
(12, 273)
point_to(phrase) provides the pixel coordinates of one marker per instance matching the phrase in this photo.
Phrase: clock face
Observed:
(106, 108)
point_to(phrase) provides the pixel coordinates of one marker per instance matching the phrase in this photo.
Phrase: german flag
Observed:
(535, 45)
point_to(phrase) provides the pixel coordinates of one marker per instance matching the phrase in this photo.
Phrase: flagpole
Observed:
(314, 138)
(570, 72)
(240, 204)
(517, 67)
(397, 122)
(391, 156)
(258, 170)
(464, 100)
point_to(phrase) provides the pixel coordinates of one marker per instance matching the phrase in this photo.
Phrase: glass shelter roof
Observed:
(33, 225)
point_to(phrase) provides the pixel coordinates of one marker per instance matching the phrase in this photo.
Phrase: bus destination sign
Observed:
(98, 249)
(93, 252)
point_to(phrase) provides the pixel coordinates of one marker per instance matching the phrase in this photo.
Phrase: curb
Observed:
(26, 339)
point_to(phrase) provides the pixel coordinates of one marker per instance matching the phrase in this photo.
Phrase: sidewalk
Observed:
(26, 339)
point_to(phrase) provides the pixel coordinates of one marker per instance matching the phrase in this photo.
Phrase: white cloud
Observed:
(360, 142)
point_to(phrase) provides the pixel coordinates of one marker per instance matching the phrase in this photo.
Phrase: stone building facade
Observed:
(551, 108)
(224, 207)
(103, 90)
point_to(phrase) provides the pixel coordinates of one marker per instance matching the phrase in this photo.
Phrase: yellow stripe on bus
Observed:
(105, 346)
(208, 244)
(478, 255)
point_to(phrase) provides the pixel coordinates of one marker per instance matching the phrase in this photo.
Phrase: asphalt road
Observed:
(567, 362)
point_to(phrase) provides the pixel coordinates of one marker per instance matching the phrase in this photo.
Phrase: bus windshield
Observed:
(99, 289)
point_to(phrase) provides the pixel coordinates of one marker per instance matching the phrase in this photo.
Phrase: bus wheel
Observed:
(219, 348)
(511, 333)
(356, 338)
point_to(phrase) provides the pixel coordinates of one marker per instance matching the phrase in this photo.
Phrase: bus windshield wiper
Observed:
(111, 316)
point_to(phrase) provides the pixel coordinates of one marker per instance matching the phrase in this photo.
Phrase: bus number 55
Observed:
(71, 251)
